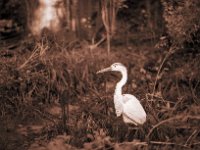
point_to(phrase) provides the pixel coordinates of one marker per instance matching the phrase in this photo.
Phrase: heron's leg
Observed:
(132, 131)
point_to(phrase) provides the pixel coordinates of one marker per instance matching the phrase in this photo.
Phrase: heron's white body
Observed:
(131, 109)
(126, 105)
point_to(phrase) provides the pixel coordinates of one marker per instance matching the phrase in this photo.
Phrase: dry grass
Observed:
(50, 74)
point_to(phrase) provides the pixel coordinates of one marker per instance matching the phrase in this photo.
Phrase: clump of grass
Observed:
(174, 104)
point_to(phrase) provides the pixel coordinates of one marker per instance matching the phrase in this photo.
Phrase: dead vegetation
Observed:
(50, 93)
(51, 97)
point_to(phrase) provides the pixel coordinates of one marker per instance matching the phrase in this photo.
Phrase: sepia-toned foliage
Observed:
(51, 97)
(53, 74)
(182, 20)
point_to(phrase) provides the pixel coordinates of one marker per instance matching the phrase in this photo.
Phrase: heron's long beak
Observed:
(104, 70)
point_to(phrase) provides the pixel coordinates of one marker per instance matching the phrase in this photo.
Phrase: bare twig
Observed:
(170, 119)
(167, 143)
(191, 136)
(171, 50)
(93, 46)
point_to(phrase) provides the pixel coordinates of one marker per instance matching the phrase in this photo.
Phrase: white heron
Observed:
(126, 105)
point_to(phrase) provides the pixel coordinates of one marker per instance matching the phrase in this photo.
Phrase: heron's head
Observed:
(114, 67)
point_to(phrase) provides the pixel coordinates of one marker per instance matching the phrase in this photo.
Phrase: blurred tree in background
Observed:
(13, 19)
(143, 15)
(182, 20)
(179, 19)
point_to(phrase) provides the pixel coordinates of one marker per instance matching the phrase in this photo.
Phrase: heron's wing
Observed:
(133, 111)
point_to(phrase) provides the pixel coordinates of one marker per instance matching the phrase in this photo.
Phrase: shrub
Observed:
(182, 20)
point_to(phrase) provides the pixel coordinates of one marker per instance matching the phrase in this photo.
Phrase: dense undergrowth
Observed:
(46, 73)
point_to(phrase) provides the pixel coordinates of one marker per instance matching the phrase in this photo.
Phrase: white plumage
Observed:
(126, 105)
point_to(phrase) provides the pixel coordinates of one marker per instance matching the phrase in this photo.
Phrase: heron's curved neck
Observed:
(121, 83)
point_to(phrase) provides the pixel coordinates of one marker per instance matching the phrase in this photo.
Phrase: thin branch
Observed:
(170, 119)
(171, 50)
(167, 143)
(191, 136)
